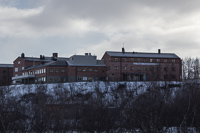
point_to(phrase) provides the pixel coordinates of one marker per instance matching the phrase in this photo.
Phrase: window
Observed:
(158, 60)
(51, 79)
(84, 69)
(63, 70)
(79, 69)
(57, 70)
(139, 60)
(44, 70)
(132, 59)
(145, 60)
(22, 68)
(138, 68)
(152, 69)
(18, 62)
(90, 69)
(173, 69)
(145, 68)
(124, 68)
(165, 60)
(4, 71)
(96, 69)
(173, 60)
(165, 69)
(151, 60)
(51, 70)
(116, 67)
(57, 79)
(173, 76)
(124, 59)
(16, 69)
(116, 59)
(165, 77)
(158, 68)
(85, 78)
(132, 68)
(79, 79)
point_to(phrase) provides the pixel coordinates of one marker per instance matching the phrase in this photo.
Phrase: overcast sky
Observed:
(68, 27)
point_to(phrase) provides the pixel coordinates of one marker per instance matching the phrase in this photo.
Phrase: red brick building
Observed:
(114, 66)
(58, 70)
(138, 66)
(6, 72)
(85, 68)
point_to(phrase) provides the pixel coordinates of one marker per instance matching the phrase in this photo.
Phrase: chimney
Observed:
(159, 51)
(123, 50)
(22, 55)
(55, 55)
(40, 56)
(86, 54)
(89, 54)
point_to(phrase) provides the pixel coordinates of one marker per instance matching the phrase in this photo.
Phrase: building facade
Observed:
(138, 66)
(114, 66)
(58, 70)
(6, 72)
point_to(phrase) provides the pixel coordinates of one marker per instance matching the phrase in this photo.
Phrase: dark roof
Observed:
(142, 54)
(6, 65)
(84, 60)
(46, 59)
(52, 63)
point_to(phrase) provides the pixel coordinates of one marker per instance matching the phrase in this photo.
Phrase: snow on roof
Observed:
(6, 65)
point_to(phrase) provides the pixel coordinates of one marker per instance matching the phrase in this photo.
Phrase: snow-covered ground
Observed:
(85, 87)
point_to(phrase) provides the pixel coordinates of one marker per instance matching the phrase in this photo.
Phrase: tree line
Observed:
(160, 108)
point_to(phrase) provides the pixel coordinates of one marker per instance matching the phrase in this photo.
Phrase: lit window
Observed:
(44, 70)
(18, 62)
(151, 60)
(22, 68)
(90, 69)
